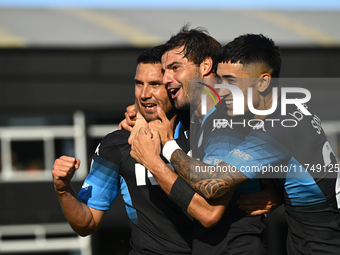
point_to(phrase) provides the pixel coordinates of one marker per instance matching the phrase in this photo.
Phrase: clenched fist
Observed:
(63, 171)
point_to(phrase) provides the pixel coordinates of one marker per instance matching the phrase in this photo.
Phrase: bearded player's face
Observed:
(150, 92)
(178, 71)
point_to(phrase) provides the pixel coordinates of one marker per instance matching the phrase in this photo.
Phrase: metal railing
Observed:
(46, 237)
(46, 134)
(42, 237)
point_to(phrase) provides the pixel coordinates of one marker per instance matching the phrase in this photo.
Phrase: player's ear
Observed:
(264, 82)
(206, 66)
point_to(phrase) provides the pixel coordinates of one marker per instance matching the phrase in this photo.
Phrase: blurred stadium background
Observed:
(66, 77)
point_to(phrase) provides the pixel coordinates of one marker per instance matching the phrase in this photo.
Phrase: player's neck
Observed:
(265, 104)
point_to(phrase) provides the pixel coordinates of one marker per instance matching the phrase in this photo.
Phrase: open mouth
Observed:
(150, 107)
(229, 103)
(173, 91)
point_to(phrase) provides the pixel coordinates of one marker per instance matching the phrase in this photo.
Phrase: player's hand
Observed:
(261, 202)
(139, 123)
(163, 126)
(146, 146)
(63, 171)
(130, 118)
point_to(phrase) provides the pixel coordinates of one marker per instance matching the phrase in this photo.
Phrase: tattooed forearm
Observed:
(210, 184)
(212, 188)
(181, 163)
(188, 167)
(215, 188)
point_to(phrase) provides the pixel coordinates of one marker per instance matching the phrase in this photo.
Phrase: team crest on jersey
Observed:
(85, 186)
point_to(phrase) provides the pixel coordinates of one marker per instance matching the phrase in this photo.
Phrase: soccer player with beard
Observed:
(310, 175)
(187, 56)
(159, 226)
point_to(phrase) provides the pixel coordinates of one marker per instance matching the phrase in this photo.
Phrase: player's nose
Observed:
(146, 92)
(223, 92)
(167, 78)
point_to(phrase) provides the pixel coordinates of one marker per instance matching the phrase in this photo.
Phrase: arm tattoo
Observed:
(209, 184)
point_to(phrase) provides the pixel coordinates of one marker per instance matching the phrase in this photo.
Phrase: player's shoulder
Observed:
(299, 120)
(117, 137)
(113, 145)
(210, 114)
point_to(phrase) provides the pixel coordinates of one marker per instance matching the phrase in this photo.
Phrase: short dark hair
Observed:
(198, 44)
(252, 49)
(151, 56)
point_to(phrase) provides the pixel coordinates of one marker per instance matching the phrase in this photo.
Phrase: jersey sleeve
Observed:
(101, 186)
(259, 151)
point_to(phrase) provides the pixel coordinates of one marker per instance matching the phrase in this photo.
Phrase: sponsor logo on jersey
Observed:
(241, 154)
(316, 123)
(299, 116)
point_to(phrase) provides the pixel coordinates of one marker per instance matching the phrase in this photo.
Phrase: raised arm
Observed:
(83, 219)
